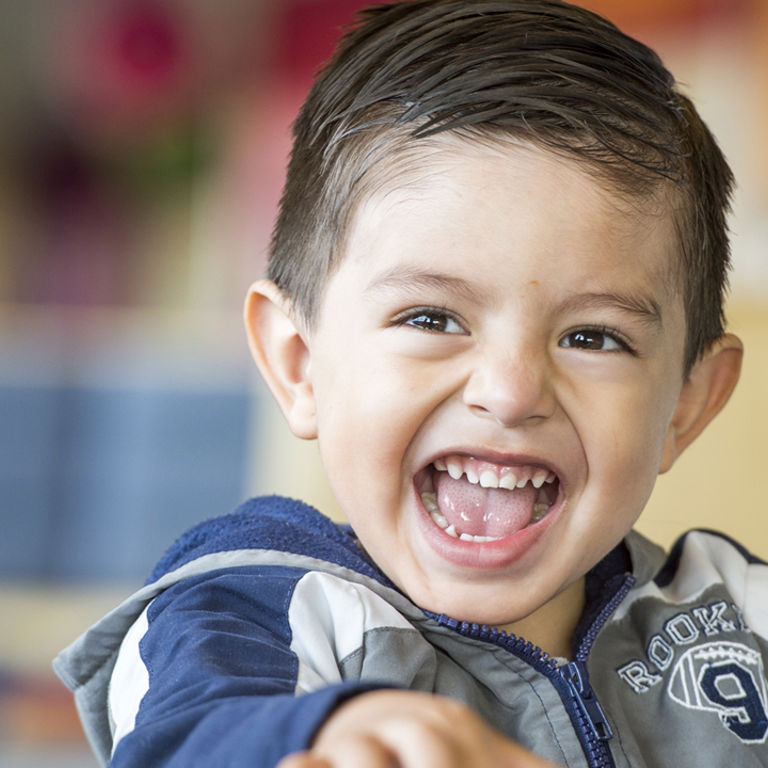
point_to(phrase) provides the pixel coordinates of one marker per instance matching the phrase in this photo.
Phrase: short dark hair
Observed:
(539, 71)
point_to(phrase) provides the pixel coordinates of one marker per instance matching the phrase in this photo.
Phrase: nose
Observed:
(512, 387)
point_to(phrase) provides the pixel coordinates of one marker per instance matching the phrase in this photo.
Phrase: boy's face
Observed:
(502, 319)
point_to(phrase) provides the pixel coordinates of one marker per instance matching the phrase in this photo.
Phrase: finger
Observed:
(511, 755)
(418, 744)
(303, 760)
(427, 744)
(358, 751)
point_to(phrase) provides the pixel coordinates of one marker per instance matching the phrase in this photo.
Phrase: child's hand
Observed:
(405, 729)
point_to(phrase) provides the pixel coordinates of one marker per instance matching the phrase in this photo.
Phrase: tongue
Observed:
(482, 511)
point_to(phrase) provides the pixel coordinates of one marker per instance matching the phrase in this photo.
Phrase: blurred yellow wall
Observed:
(721, 482)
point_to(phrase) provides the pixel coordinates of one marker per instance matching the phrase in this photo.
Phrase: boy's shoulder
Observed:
(268, 524)
(706, 584)
(698, 560)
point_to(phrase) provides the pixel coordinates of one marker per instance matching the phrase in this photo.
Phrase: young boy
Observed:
(495, 297)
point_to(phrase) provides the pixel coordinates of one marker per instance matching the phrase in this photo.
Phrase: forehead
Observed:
(485, 195)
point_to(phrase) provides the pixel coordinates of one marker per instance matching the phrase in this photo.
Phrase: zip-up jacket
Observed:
(255, 626)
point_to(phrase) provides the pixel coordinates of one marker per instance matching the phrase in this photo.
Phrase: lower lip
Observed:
(486, 555)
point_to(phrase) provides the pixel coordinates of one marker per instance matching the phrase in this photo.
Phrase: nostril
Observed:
(512, 399)
(508, 419)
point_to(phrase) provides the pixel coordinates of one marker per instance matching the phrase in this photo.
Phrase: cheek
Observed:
(625, 444)
(378, 399)
(363, 437)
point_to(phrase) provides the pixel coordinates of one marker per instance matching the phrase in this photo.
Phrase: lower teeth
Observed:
(429, 499)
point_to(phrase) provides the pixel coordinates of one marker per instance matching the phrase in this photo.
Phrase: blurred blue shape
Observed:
(96, 482)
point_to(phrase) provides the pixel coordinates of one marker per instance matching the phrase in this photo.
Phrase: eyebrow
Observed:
(410, 279)
(644, 308)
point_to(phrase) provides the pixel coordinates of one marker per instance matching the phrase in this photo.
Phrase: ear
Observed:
(706, 390)
(282, 355)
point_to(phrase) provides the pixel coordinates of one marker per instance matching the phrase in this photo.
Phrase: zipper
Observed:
(592, 726)
(570, 680)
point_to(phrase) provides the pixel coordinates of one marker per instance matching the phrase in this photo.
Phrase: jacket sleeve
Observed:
(208, 676)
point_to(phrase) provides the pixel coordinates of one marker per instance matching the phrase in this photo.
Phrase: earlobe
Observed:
(282, 355)
(705, 392)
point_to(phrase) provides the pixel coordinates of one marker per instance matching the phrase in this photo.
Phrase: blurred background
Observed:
(142, 148)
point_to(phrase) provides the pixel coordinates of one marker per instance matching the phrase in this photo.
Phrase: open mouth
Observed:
(480, 501)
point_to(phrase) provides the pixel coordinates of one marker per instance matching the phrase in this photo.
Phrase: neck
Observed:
(551, 627)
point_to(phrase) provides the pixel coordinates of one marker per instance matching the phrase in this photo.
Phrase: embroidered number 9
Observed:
(733, 690)
(727, 679)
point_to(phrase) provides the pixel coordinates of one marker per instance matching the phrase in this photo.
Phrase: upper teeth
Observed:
(490, 475)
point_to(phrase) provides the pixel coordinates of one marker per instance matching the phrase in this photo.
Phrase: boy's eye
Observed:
(433, 320)
(593, 339)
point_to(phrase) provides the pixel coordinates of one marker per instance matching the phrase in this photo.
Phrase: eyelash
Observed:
(408, 318)
(601, 330)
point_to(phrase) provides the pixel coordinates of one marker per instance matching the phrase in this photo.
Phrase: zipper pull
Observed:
(586, 701)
